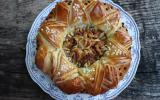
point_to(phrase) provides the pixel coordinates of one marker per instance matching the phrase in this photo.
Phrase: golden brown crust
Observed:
(77, 13)
(107, 70)
(53, 31)
(71, 86)
(60, 13)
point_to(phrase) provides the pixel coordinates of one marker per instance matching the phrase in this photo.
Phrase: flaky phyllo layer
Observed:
(84, 47)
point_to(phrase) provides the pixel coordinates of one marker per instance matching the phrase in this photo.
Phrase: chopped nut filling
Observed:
(85, 46)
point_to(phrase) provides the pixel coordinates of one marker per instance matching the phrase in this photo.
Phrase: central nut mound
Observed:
(84, 46)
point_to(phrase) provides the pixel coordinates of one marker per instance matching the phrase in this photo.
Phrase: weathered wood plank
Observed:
(17, 17)
(18, 86)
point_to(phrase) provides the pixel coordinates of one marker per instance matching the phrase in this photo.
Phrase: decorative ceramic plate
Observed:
(48, 86)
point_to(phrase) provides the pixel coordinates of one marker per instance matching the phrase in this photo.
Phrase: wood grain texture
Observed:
(16, 18)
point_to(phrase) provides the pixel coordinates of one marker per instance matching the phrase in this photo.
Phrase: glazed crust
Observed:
(102, 75)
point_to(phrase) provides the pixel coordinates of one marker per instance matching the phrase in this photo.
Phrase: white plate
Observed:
(47, 85)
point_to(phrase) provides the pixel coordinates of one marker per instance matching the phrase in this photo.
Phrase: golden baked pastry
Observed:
(84, 47)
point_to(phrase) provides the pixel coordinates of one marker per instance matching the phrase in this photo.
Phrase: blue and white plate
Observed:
(48, 86)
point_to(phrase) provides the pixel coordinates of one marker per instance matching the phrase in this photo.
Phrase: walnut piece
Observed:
(85, 46)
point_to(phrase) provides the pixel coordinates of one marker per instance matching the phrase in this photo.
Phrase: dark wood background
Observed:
(16, 18)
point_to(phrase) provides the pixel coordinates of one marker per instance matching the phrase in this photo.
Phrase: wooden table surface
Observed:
(16, 18)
